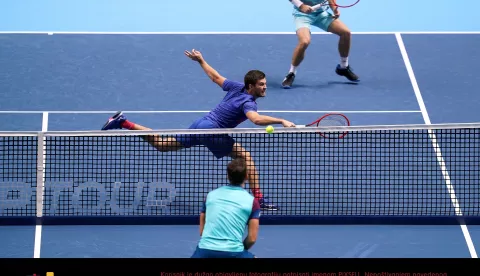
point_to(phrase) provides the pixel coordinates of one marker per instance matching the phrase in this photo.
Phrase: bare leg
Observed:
(252, 173)
(171, 144)
(165, 144)
(239, 152)
(339, 28)
(303, 35)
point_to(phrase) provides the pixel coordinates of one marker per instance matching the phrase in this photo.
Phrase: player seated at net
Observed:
(225, 213)
(238, 104)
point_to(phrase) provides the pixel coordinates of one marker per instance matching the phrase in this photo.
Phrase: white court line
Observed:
(232, 33)
(38, 228)
(436, 147)
(201, 111)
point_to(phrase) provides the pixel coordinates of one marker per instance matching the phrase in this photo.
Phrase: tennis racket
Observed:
(331, 119)
(336, 3)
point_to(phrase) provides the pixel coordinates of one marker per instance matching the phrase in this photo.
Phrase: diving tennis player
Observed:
(238, 104)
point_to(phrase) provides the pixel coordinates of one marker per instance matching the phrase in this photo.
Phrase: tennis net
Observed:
(375, 174)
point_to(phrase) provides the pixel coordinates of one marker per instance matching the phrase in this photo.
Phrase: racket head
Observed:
(344, 3)
(332, 120)
(338, 3)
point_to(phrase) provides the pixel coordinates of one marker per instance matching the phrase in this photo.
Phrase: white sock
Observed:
(293, 69)
(344, 62)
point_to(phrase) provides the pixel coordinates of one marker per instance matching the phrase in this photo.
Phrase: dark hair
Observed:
(237, 171)
(252, 77)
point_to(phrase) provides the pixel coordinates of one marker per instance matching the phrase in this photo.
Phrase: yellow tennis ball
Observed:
(269, 129)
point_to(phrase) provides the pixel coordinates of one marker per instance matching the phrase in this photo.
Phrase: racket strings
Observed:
(341, 3)
(333, 120)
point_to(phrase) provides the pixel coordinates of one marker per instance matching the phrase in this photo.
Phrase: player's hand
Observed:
(306, 8)
(286, 123)
(194, 55)
(336, 12)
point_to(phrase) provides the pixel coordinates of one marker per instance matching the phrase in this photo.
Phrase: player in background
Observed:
(305, 17)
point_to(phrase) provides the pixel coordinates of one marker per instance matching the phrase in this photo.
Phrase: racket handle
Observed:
(300, 126)
(316, 7)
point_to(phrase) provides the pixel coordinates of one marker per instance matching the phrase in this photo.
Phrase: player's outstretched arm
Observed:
(263, 120)
(211, 73)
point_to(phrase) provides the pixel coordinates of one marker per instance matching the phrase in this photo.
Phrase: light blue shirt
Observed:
(228, 210)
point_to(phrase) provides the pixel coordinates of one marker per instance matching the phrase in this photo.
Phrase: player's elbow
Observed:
(217, 79)
(214, 78)
(202, 223)
(255, 118)
(251, 238)
(257, 121)
(253, 230)
(249, 242)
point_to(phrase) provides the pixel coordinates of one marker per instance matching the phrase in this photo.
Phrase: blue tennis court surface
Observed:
(411, 70)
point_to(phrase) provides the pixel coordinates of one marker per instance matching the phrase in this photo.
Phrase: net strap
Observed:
(40, 173)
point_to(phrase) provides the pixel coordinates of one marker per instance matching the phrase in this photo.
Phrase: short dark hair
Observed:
(252, 77)
(237, 171)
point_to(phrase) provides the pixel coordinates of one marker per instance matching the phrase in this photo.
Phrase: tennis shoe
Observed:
(347, 72)
(265, 205)
(288, 81)
(115, 122)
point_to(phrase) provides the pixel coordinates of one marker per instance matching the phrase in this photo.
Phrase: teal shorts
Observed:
(320, 20)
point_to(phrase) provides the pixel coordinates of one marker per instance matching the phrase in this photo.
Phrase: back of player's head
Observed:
(237, 171)
(252, 77)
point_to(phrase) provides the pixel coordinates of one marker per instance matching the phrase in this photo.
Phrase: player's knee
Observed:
(246, 155)
(346, 33)
(167, 146)
(303, 42)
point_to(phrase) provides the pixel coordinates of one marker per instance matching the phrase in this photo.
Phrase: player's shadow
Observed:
(278, 85)
(343, 83)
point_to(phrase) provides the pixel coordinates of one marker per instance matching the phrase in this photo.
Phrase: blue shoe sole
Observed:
(112, 121)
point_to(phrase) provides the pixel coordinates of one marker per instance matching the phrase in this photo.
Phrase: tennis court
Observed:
(413, 71)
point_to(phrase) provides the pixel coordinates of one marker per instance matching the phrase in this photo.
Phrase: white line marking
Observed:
(436, 147)
(202, 111)
(38, 228)
(44, 120)
(460, 32)
(38, 240)
(231, 33)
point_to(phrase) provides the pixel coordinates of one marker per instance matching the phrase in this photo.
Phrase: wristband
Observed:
(297, 3)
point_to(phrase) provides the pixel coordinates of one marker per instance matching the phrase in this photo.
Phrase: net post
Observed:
(40, 173)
